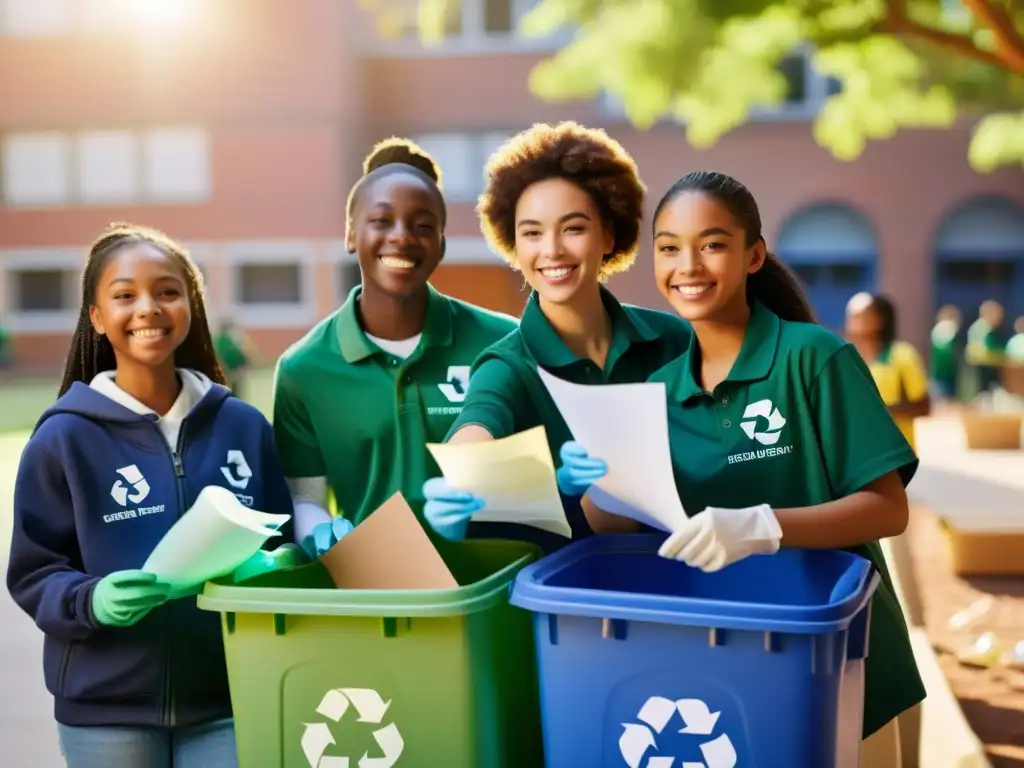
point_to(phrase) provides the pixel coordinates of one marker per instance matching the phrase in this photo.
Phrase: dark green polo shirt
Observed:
(506, 396)
(347, 410)
(798, 422)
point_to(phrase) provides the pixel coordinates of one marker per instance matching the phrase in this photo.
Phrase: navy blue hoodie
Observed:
(98, 487)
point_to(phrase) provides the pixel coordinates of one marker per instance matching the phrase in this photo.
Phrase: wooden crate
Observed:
(992, 431)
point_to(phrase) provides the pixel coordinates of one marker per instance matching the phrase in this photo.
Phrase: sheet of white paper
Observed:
(515, 476)
(216, 535)
(626, 425)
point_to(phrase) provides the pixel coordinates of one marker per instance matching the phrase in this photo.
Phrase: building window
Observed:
(42, 290)
(167, 165)
(36, 18)
(470, 26)
(462, 157)
(108, 167)
(177, 165)
(794, 69)
(269, 283)
(35, 169)
(987, 272)
(498, 17)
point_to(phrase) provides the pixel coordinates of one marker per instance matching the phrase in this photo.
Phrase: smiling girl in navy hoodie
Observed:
(142, 425)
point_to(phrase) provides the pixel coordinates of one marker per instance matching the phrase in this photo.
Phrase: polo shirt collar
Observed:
(547, 346)
(355, 346)
(754, 362)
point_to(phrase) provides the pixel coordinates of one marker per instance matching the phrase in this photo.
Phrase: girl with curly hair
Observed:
(563, 204)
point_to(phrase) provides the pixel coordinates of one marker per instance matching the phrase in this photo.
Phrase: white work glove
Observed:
(719, 537)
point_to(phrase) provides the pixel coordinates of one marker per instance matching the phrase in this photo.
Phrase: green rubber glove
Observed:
(285, 556)
(124, 597)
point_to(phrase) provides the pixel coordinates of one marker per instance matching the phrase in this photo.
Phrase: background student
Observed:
(563, 204)
(895, 365)
(142, 425)
(359, 397)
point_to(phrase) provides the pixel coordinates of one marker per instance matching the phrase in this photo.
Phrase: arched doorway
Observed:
(979, 255)
(832, 248)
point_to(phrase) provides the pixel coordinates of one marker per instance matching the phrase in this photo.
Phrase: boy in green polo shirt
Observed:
(985, 345)
(563, 204)
(945, 363)
(359, 397)
(777, 432)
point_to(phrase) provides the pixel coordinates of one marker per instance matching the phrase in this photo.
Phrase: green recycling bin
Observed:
(332, 678)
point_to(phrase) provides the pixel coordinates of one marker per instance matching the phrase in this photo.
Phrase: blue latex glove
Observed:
(578, 471)
(448, 510)
(324, 536)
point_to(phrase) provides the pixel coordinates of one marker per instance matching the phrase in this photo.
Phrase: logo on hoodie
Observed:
(237, 471)
(123, 494)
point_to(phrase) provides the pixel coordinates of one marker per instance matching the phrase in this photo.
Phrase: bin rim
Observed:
(378, 603)
(531, 593)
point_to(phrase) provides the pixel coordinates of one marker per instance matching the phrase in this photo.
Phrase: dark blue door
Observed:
(830, 286)
(966, 283)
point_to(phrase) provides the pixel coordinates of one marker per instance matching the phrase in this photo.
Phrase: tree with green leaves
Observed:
(707, 63)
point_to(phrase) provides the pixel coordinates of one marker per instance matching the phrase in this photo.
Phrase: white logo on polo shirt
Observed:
(765, 410)
(764, 414)
(457, 385)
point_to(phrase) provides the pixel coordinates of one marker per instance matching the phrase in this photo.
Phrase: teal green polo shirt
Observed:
(797, 422)
(347, 410)
(506, 395)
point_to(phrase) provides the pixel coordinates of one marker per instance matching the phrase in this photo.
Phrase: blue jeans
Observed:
(211, 745)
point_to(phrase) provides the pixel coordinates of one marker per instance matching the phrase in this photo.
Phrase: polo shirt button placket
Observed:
(726, 423)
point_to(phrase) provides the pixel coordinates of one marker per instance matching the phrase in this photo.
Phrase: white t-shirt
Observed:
(401, 348)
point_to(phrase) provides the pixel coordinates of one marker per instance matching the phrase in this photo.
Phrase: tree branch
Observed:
(1009, 43)
(898, 23)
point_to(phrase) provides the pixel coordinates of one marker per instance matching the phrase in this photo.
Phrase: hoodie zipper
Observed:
(170, 716)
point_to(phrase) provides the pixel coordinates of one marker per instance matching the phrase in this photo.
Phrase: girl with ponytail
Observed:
(357, 400)
(778, 435)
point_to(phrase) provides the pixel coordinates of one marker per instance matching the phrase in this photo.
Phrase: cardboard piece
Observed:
(993, 431)
(985, 550)
(388, 550)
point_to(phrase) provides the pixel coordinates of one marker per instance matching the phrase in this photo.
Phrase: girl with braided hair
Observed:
(142, 425)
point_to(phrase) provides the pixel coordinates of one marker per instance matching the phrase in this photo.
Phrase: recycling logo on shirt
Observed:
(765, 410)
(370, 708)
(237, 471)
(457, 385)
(640, 738)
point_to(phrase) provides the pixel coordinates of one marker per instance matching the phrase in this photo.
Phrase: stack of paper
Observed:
(625, 425)
(215, 536)
(515, 477)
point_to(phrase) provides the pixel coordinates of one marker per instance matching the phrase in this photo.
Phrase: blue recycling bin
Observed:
(647, 663)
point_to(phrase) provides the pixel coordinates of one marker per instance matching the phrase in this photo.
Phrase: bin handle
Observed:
(851, 581)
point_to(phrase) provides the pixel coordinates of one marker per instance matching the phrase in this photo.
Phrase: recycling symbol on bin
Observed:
(370, 708)
(655, 714)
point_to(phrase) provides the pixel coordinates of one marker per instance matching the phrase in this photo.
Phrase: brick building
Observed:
(239, 125)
